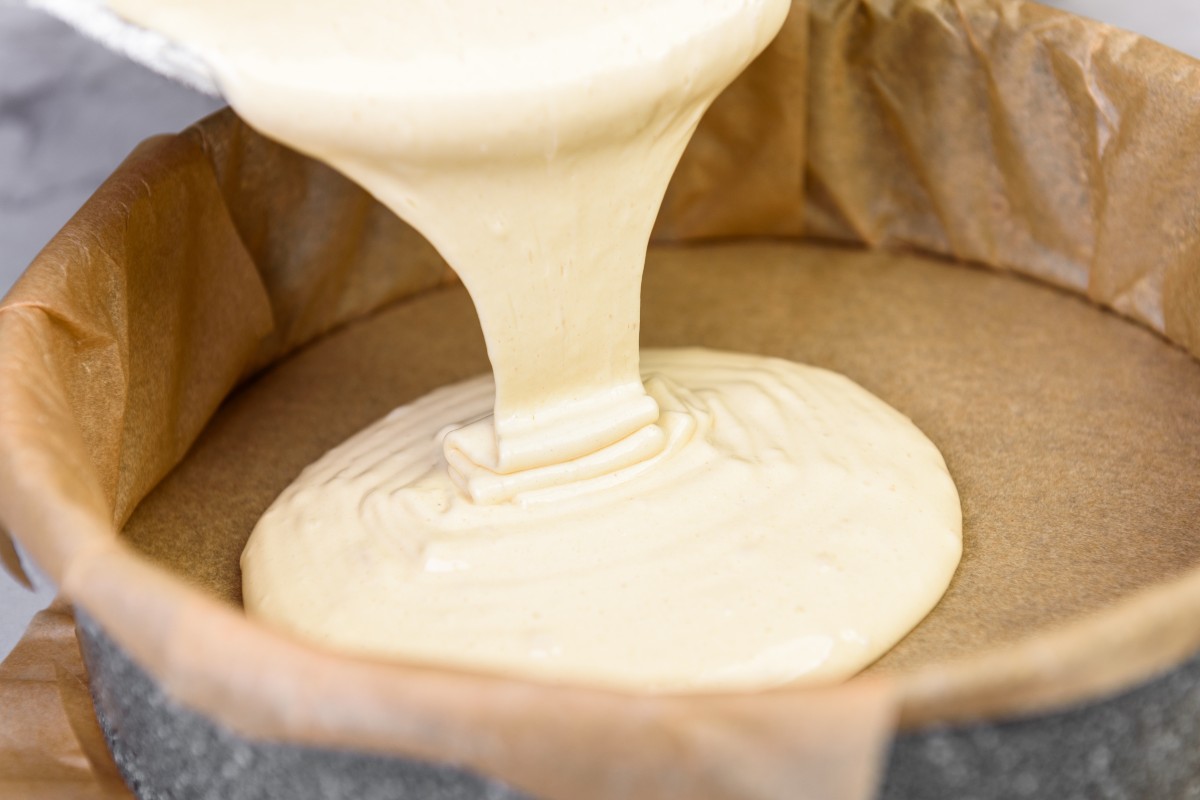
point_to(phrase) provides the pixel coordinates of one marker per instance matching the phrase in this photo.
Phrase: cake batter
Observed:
(693, 520)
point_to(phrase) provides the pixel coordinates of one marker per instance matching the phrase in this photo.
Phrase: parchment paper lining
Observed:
(994, 131)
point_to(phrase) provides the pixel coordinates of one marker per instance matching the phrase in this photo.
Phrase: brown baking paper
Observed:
(50, 743)
(999, 133)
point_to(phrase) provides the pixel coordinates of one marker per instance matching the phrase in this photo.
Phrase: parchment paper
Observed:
(50, 744)
(991, 131)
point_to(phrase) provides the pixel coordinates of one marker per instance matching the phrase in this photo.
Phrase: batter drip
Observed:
(696, 520)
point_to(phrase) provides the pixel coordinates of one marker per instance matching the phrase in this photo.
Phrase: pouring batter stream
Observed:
(687, 520)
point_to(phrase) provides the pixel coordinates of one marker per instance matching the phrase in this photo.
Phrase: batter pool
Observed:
(682, 520)
(794, 528)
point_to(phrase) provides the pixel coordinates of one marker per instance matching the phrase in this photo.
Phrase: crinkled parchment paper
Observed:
(996, 132)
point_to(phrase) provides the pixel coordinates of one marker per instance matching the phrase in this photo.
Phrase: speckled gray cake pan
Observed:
(1140, 745)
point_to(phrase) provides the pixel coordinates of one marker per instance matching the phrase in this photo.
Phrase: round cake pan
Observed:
(1143, 743)
(984, 211)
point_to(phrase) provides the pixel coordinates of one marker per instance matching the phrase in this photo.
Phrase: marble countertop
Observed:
(70, 111)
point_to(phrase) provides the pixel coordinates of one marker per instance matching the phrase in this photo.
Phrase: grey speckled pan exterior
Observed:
(1142, 745)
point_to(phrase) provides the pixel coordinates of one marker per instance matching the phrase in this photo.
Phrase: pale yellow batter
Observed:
(797, 527)
(731, 521)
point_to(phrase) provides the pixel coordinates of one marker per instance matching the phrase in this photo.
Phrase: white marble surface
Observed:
(70, 111)
(1172, 22)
